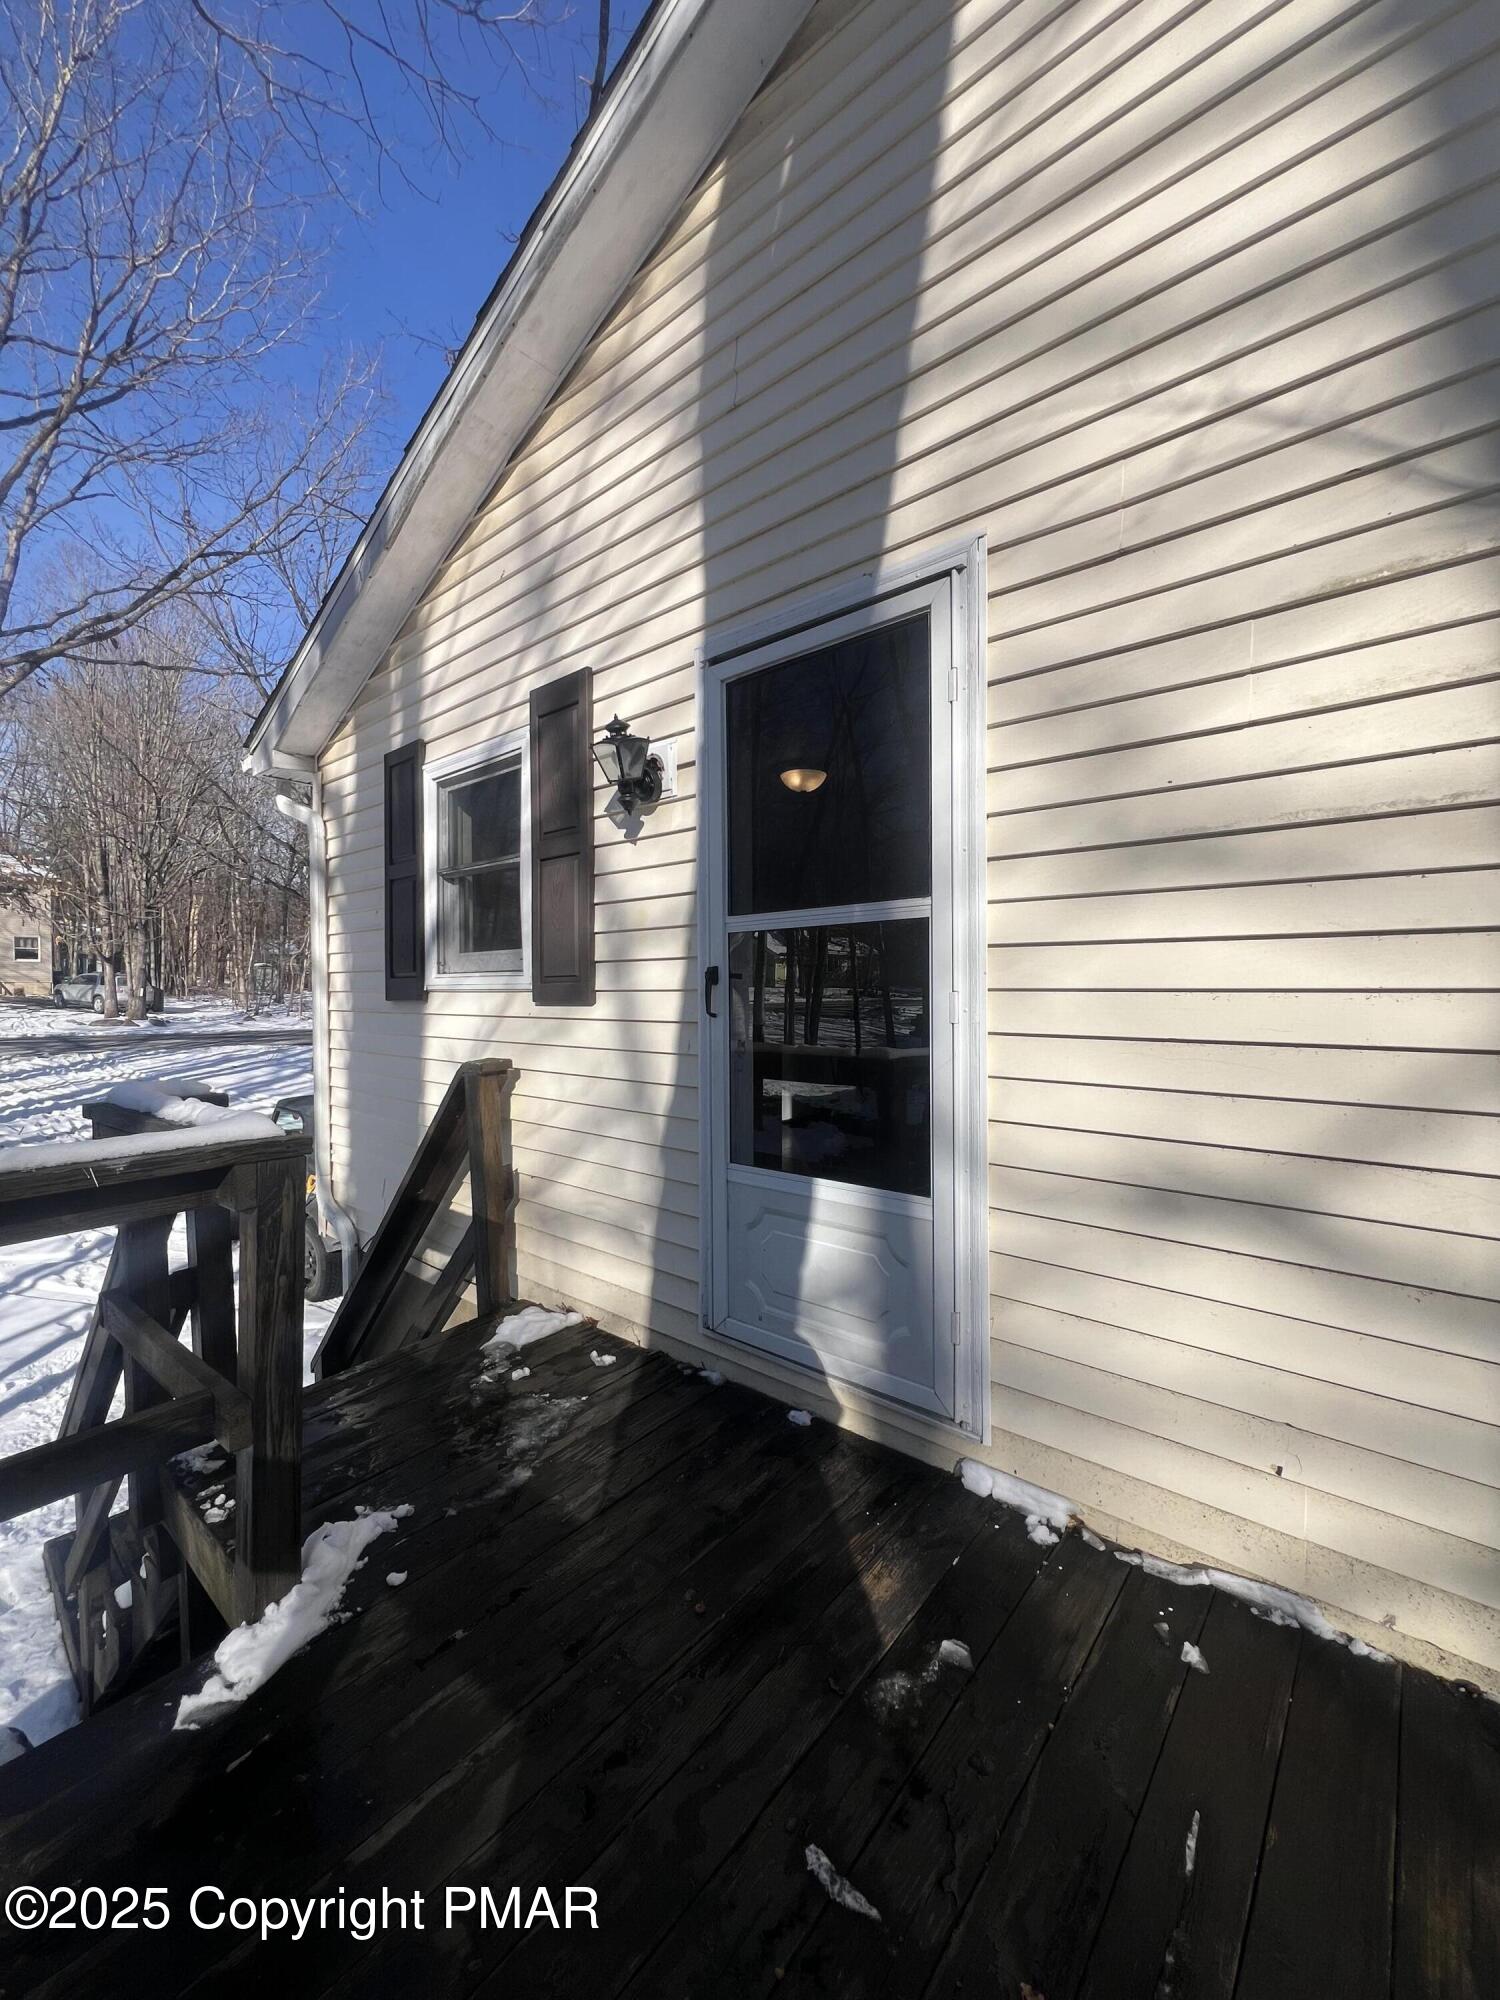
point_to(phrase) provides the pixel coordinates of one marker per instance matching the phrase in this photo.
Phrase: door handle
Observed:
(710, 981)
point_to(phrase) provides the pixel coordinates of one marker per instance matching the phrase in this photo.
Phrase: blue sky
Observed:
(422, 262)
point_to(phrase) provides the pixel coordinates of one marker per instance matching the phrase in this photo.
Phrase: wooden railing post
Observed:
(379, 1312)
(210, 1236)
(489, 1183)
(268, 1472)
(145, 1280)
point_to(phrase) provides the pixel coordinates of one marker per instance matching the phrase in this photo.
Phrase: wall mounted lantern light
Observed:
(628, 765)
(803, 778)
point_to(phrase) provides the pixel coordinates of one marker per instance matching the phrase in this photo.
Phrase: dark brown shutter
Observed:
(405, 978)
(562, 843)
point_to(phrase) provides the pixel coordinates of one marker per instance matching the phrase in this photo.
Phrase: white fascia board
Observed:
(689, 79)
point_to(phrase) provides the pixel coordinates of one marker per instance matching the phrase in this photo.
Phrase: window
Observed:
(829, 797)
(478, 865)
(27, 948)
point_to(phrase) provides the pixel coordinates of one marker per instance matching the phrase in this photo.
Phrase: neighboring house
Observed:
(26, 932)
(1032, 472)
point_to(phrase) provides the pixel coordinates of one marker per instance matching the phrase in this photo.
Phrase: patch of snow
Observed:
(13, 1743)
(1038, 1531)
(396, 1577)
(1363, 1651)
(894, 1693)
(177, 1101)
(802, 1418)
(123, 1594)
(836, 1887)
(519, 1374)
(1092, 1539)
(205, 1017)
(34, 1157)
(602, 1360)
(1267, 1600)
(712, 1377)
(1190, 1848)
(248, 1657)
(1191, 1657)
(531, 1323)
(201, 1458)
(1041, 1508)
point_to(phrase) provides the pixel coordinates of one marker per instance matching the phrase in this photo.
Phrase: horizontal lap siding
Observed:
(1194, 310)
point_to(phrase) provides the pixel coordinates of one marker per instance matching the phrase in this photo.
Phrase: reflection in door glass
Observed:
(829, 781)
(830, 1068)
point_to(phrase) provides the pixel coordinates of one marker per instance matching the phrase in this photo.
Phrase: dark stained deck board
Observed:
(1167, 1929)
(1030, 1915)
(585, 1749)
(436, 1551)
(689, 1827)
(1447, 1944)
(464, 1764)
(662, 1664)
(760, 1903)
(923, 1861)
(1320, 1926)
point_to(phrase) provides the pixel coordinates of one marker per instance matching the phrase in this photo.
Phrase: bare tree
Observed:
(164, 859)
(155, 257)
(169, 176)
(601, 57)
(444, 59)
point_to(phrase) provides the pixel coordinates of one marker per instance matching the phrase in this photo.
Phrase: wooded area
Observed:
(128, 827)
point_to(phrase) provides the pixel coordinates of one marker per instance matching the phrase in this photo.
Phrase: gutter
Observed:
(330, 1213)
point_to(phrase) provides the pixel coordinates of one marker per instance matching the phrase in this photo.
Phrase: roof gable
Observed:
(688, 76)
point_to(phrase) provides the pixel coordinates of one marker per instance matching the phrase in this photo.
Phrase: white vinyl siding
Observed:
(1193, 311)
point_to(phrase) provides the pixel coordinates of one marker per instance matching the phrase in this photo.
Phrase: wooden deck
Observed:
(655, 1639)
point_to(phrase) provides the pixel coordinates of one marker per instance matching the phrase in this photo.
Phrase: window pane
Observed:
(830, 1053)
(484, 818)
(829, 776)
(486, 908)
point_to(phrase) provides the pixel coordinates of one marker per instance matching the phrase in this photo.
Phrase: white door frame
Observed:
(961, 1219)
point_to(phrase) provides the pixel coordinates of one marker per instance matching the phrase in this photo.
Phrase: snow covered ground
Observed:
(22, 1021)
(47, 1289)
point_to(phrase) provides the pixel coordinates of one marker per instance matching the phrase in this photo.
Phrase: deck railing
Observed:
(237, 1383)
(394, 1300)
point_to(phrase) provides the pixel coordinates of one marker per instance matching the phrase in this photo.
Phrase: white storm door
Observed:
(830, 949)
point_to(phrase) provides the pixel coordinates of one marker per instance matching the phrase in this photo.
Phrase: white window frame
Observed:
(18, 938)
(437, 774)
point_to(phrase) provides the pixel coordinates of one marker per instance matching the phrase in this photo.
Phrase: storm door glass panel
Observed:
(829, 776)
(830, 1063)
(480, 866)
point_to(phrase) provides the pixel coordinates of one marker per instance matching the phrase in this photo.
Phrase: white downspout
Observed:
(311, 816)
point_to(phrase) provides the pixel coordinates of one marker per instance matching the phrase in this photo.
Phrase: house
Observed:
(1028, 471)
(26, 932)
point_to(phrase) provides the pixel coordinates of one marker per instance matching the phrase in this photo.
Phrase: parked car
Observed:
(84, 989)
(323, 1262)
